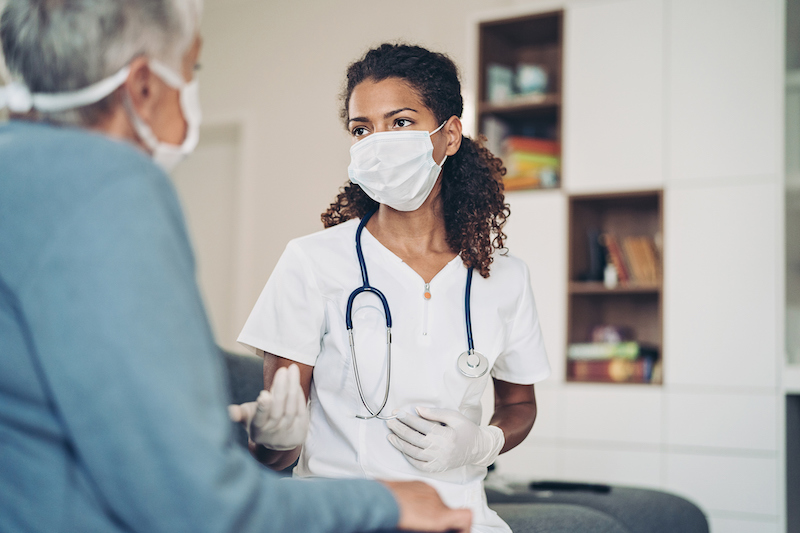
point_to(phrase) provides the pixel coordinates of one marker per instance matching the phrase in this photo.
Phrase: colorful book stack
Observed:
(611, 362)
(531, 163)
(636, 260)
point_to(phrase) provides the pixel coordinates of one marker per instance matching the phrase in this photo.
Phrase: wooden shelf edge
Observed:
(594, 382)
(597, 287)
(521, 103)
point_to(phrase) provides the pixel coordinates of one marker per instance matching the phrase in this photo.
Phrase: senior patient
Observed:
(112, 399)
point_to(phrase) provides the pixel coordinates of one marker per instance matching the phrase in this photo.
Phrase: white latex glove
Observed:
(441, 439)
(278, 419)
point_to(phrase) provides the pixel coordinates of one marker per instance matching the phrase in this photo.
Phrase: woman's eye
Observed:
(359, 131)
(402, 123)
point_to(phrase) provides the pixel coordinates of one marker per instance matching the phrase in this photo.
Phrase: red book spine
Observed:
(530, 144)
(609, 370)
(616, 258)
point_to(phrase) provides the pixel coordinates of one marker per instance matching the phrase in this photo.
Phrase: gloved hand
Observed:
(441, 439)
(278, 419)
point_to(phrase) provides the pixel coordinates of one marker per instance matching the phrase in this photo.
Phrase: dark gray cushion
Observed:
(556, 518)
(638, 510)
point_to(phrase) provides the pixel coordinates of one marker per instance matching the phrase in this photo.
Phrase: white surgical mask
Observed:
(164, 154)
(396, 168)
(18, 98)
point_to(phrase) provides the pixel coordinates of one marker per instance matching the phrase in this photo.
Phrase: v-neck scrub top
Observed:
(300, 315)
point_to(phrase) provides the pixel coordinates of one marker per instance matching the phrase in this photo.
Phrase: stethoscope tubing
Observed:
(366, 287)
(468, 311)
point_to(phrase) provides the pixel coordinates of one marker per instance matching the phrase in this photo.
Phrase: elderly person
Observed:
(112, 400)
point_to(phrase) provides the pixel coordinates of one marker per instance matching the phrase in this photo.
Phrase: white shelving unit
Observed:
(653, 99)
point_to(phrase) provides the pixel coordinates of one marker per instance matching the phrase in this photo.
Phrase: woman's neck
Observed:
(418, 237)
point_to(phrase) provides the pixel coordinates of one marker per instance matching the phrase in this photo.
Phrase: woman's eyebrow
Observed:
(396, 111)
(390, 114)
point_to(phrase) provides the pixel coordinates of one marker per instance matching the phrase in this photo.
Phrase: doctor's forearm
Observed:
(514, 411)
(516, 422)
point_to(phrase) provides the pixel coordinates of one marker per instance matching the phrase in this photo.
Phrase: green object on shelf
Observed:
(607, 350)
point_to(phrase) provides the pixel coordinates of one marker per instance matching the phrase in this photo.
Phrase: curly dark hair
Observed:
(473, 204)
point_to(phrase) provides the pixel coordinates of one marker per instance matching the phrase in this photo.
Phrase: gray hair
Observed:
(63, 45)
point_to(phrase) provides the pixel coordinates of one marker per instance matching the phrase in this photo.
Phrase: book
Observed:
(530, 169)
(609, 350)
(615, 257)
(597, 260)
(641, 255)
(531, 162)
(516, 143)
(614, 370)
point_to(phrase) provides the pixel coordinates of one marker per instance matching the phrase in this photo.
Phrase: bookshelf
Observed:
(519, 96)
(606, 309)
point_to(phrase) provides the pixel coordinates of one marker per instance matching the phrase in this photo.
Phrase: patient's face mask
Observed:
(17, 97)
(396, 168)
(164, 154)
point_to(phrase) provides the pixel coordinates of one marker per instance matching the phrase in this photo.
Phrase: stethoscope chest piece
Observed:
(473, 364)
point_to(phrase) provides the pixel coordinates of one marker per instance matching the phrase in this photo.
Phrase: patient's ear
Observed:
(144, 89)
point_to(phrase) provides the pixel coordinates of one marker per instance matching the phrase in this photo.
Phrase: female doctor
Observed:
(392, 319)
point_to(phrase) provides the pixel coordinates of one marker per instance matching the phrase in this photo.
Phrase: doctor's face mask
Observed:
(396, 168)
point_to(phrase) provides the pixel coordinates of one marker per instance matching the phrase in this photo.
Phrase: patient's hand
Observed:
(421, 509)
(278, 419)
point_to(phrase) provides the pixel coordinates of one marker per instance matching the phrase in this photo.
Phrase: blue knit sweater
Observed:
(112, 392)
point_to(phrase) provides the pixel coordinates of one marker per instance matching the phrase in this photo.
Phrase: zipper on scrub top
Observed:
(427, 296)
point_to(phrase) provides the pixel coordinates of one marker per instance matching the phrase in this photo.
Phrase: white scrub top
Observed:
(300, 315)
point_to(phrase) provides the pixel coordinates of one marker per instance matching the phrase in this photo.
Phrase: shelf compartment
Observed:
(639, 312)
(533, 40)
(621, 214)
(522, 105)
(632, 305)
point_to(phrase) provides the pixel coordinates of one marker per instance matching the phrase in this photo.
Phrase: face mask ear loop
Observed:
(440, 165)
(437, 129)
(142, 130)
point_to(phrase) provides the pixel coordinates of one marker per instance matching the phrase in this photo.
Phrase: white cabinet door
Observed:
(728, 484)
(720, 279)
(531, 461)
(722, 421)
(537, 234)
(611, 414)
(613, 105)
(724, 93)
(623, 466)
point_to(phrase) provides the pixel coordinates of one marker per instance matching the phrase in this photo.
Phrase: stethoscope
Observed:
(471, 363)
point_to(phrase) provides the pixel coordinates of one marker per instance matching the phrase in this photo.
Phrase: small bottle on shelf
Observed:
(610, 276)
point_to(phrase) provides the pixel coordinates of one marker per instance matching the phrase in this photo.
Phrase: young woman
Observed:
(398, 313)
